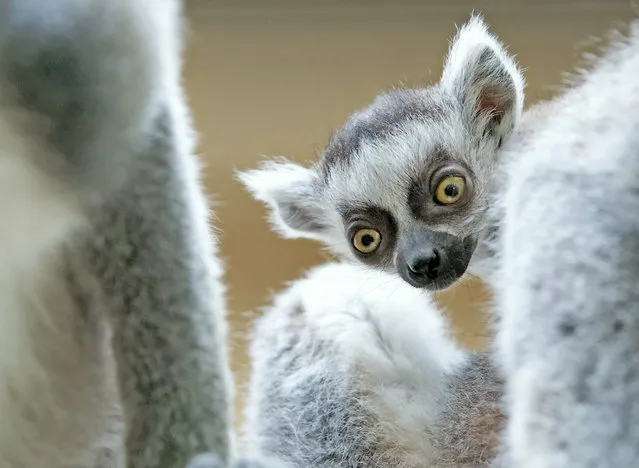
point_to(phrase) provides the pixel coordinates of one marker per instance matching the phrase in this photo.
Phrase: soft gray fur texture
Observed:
(378, 170)
(568, 296)
(113, 339)
(353, 367)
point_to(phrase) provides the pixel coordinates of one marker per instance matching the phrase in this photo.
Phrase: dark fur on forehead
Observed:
(381, 118)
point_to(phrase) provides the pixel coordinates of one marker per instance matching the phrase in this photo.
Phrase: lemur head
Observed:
(405, 183)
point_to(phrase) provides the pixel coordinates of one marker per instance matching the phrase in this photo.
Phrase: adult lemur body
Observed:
(111, 335)
(353, 368)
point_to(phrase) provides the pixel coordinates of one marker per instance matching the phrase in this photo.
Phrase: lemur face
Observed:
(405, 184)
(409, 180)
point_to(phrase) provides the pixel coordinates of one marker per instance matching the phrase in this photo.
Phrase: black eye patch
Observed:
(358, 217)
(421, 196)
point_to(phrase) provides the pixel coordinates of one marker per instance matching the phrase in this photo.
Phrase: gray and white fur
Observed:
(354, 365)
(113, 339)
(380, 171)
(568, 300)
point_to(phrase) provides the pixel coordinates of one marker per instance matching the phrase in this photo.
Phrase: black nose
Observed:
(425, 266)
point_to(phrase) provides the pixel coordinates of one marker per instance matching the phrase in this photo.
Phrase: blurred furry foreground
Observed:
(114, 322)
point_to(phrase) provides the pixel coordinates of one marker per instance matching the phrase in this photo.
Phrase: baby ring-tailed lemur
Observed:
(404, 184)
(352, 366)
(112, 329)
(366, 377)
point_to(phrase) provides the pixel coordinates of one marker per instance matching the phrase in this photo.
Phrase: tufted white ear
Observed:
(290, 191)
(485, 78)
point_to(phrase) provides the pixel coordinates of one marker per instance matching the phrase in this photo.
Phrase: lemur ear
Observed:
(485, 78)
(289, 190)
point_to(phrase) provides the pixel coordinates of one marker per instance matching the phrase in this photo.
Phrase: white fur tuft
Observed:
(467, 69)
(471, 39)
(288, 190)
(274, 179)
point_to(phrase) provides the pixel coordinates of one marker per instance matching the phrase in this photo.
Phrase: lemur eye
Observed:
(367, 240)
(450, 190)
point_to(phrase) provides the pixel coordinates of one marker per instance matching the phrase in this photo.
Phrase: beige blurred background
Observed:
(276, 77)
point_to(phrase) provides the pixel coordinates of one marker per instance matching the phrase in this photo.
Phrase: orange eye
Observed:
(367, 240)
(450, 190)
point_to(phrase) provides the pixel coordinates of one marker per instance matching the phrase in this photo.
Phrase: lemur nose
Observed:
(425, 265)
